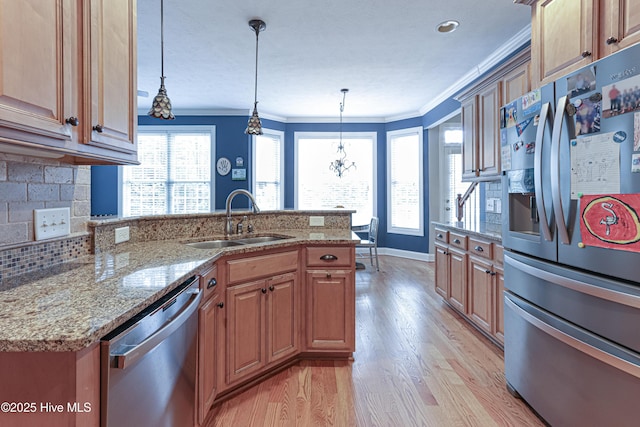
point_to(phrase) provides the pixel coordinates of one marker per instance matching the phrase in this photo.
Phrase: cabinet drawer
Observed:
(260, 266)
(442, 235)
(498, 253)
(209, 282)
(480, 248)
(330, 256)
(458, 240)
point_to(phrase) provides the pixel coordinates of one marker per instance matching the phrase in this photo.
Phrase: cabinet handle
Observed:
(440, 236)
(212, 283)
(445, 253)
(73, 121)
(586, 54)
(220, 304)
(271, 288)
(493, 273)
(479, 249)
(264, 290)
(328, 275)
(328, 257)
(487, 271)
(98, 128)
(457, 241)
(612, 40)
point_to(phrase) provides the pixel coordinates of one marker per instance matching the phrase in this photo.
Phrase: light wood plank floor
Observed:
(416, 364)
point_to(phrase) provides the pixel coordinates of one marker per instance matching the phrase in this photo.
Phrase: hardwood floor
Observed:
(416, 364)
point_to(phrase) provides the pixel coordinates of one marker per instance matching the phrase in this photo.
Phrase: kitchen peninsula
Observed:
(51, 322)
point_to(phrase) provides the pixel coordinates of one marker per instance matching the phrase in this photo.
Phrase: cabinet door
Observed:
(282, 314)
(245, 329)
(499, 303)
(111, 74)
(442, 271)
(489, 101)
(208, 324)
(620, 25)
(564, 36)
(458, 279)
(330, 310)
(516, 83)
(480, 293)
(35, 80)
(469, 139)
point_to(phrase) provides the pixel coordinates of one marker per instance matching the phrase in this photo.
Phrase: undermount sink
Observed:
(224, 243)
(258, 239)
(214, 244)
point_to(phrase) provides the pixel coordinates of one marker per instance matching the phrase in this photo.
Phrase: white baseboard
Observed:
(400, 253)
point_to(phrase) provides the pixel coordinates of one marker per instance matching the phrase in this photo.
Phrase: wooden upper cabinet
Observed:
(620, 23)
(516, 83)
(35, 80)
(469, 139)
(489, 102)
(111, 73)
(563, 38)
(67, 66)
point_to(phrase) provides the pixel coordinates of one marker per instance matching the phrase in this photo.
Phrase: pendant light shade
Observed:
(161, 106)
(254, 127)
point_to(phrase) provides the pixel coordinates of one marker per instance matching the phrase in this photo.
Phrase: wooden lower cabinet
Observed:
(209, 316)
(442, 271)
(471, 279)
(330, 306)
(458, 279)
(481, 293)
(262, 324)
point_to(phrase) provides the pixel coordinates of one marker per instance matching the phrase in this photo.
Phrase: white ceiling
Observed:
(388, 53)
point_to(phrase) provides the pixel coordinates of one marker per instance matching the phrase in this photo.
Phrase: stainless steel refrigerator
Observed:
(571, 232)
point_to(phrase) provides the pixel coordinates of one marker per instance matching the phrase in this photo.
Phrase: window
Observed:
(318, 187)
(174, 175)
(268, 170)
(451, 176)
(405, 213)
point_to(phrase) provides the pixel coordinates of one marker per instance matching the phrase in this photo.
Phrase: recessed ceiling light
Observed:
(447, 26)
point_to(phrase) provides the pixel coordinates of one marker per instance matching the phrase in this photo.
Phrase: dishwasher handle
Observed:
(125, 359)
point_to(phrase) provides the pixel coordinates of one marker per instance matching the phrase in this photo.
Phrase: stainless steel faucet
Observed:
(228, 231)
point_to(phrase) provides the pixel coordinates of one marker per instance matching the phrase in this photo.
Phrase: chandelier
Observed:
(341, 164)
(161, 106)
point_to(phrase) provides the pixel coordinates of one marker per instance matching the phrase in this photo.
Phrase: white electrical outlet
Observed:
(122, 234)
(316, 221)
(490, 205)
(48, 223)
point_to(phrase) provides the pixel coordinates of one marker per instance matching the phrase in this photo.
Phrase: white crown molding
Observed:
(334, 120)
(515, 42)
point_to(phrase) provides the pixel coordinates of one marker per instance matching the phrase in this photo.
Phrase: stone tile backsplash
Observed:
(28, 183)
(493, 190)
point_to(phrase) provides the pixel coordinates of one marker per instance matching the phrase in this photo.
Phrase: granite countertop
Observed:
(480, 229)
(74, 304)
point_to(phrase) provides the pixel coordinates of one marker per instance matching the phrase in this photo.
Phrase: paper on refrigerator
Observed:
(595, 165)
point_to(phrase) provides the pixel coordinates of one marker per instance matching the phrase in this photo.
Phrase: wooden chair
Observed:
(372, 241)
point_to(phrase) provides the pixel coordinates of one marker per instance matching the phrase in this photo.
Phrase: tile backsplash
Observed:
(28, 183)
(493, 190)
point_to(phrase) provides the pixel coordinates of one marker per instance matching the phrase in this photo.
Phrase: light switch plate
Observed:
(316, 221)
(48, 223)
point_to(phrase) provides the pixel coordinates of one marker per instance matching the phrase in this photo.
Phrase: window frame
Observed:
(373, 136)
(176, 129)
(418, 130)
(280, 135)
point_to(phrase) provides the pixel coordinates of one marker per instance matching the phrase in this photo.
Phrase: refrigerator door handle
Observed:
(576, 285)
(563, 232)
(545, 116)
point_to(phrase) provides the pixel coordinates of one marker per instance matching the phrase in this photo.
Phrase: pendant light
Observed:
(341, 164)
(161, 106)
(254, 127)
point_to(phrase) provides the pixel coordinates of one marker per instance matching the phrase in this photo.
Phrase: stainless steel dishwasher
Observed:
(148, 365)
